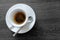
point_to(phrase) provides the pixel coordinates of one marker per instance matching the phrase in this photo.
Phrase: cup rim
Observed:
(19, 25)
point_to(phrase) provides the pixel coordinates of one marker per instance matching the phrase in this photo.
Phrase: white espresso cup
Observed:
(28, 19)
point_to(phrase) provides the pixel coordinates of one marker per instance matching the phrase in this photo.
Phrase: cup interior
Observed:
(11, 16)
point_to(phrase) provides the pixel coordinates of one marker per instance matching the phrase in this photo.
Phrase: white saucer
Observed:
(27, 27)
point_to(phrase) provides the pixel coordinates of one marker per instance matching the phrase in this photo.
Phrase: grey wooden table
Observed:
(47, 25)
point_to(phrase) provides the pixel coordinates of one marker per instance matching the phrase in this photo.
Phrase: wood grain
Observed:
(47, 25)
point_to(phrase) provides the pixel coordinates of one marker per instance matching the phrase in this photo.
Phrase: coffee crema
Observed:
(19, 17)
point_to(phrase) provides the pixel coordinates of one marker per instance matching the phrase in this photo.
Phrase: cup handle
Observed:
(30, 19)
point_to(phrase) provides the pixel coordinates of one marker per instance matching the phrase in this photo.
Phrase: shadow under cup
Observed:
(12, 15)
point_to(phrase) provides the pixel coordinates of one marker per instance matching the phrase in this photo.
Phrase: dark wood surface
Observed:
(47, 25)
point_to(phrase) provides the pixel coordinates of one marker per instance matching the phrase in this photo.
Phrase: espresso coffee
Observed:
(19, 17)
